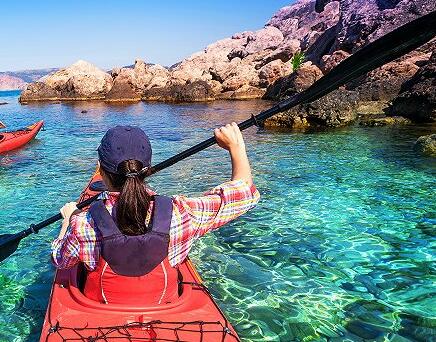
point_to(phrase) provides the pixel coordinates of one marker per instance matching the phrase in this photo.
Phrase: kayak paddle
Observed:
(383, 50)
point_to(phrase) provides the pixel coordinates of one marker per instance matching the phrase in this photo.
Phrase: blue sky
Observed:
(41, 34)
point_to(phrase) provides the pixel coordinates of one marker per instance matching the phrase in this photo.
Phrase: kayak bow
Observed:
(12, 140)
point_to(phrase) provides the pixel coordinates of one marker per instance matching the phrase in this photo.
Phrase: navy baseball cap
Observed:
(122, 143)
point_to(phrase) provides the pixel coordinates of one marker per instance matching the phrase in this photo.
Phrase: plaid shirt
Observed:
(191, 218)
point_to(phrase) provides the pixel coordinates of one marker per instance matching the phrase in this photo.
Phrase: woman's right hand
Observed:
(230, 137)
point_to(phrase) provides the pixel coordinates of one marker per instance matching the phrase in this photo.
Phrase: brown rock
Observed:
(426, 145)
(191, 92)
(333, 110)
(385, 121)
(294, 83)
(80, 80)
(39, 91)
(417, 99)
(328, 62)
(270, 72)
(247, 92)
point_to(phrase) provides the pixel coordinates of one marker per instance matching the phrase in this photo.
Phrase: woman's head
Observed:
(125, 157)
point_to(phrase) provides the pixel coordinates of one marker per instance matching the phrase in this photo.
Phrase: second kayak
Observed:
(11, 140)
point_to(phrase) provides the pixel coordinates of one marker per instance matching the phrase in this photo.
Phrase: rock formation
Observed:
(417, 99)
(254, 64)
(80, 81)
(426, 145)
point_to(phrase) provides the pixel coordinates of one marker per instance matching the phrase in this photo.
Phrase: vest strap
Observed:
(162, 212)
(102, 219)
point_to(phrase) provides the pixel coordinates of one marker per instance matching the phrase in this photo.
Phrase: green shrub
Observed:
(297, 59)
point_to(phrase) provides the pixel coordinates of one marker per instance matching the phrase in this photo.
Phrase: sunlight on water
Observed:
(340, 248)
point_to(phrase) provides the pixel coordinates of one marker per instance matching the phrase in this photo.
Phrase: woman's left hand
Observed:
(68, 209)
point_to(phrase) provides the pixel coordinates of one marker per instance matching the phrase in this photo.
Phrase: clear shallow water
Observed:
(340, 248)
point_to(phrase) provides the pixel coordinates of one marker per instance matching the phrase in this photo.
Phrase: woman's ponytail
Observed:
(134, 200)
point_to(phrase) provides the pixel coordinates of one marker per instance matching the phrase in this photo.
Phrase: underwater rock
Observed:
(385, 121)
(426, 144)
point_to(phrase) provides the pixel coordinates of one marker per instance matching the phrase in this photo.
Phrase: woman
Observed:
(131, 241)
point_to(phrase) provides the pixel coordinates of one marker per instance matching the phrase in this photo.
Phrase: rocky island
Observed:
(258, 64)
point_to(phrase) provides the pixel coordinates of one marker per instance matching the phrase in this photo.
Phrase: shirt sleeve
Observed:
(193, 217)
(79, 244)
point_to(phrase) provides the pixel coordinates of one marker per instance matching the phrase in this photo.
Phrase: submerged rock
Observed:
(385, 121)
(426, 144)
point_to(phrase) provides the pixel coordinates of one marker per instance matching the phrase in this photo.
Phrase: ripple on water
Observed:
(340, 248)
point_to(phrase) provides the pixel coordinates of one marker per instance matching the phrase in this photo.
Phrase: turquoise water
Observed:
(340, 248)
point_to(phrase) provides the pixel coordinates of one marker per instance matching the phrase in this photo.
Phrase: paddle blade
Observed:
(8, 245)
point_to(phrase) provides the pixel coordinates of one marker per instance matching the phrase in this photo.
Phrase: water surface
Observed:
(340, 248)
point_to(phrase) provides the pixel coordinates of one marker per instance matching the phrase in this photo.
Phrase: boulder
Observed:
(160, 77)
(328, 62)
(39, 91)
(426, 144)
(294, 83)
(385, 121)
(364, 21)
(270, 72)
(268, 38)
(417, 99)
(80, 80)
(190, 92)
(247, 92)
(333, 110)
(384, 83)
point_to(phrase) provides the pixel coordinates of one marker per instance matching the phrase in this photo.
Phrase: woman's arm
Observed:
(194, 217)
(230, 138)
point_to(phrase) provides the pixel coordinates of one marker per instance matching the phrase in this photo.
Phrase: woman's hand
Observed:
(230, 137)
(67, 211)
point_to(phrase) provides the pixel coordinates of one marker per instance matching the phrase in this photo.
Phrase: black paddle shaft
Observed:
(383, 50)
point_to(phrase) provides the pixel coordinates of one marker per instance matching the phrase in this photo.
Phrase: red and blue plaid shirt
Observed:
(191, 218)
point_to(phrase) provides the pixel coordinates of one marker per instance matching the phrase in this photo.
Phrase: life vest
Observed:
(133, 269)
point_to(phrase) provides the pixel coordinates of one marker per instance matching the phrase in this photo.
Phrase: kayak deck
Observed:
(194, 316)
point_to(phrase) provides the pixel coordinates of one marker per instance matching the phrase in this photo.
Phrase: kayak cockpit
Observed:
(76, 281)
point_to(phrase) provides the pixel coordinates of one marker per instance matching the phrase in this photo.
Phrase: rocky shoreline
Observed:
(259, 64)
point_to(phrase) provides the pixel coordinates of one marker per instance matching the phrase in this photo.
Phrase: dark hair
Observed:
(134, 200)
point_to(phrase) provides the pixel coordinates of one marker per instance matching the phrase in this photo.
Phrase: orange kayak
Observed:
(194, 316)
(12, 140)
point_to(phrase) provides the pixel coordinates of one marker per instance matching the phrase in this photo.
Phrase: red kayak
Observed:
(194, 316)
(12, 140)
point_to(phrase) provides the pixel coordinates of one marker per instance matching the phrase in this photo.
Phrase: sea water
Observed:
(341, 246)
